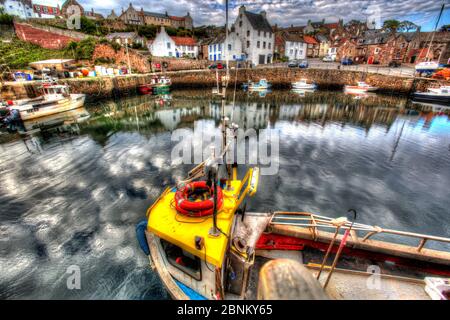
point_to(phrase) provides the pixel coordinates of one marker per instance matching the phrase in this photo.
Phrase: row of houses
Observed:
(27, 9)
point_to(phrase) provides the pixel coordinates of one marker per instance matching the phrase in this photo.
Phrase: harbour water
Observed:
(73, 186)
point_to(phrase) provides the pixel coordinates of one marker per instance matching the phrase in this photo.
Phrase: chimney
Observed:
(263, 13)
(241, 9)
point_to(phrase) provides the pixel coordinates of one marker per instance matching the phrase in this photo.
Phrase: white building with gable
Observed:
(256, 34)
(178, 47)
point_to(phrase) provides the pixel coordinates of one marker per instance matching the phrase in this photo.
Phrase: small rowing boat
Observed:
(303, 84)
(360, 87)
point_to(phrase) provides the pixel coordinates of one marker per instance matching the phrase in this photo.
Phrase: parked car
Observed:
(293, 64)
(219, 66)
(303, 64)
(395, 64)
(328, 59)
(347, 61)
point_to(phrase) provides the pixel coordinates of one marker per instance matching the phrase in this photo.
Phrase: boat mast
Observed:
(435, 28)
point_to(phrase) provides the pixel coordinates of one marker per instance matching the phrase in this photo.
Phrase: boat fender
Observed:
(140, 234)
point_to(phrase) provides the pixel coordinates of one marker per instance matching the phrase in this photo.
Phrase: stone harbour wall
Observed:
(108, 87)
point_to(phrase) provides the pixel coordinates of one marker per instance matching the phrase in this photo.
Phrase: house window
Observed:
(248, 33)
(264, 34)
(377, 50)
(264, 45)
(257, 44)
(248, 44)
(168, 45)
(291, 51)
(240, 23)
(229, 47)
(259, 33)
(270, 45)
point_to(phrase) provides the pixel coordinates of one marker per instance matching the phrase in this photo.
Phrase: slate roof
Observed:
(156, 14)
(258, 22)
(121, 35)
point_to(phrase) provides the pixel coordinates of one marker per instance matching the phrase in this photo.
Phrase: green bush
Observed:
(82, 50)
(5, 19)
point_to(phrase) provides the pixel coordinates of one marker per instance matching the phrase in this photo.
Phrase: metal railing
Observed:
(313, 222)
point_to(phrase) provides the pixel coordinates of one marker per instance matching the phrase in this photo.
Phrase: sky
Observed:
(286, 12)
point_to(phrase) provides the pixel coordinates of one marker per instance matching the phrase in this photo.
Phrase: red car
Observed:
(219, 66)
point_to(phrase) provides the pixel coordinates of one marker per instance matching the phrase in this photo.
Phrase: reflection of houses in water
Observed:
(253, 115)
(172, 118)
(258, 115)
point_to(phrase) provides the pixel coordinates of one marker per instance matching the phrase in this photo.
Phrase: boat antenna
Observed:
(435, 28)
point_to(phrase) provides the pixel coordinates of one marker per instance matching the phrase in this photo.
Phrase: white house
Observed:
(257, 37)
(295, 47)
(20, 8)
(166, 46)
(225, 49)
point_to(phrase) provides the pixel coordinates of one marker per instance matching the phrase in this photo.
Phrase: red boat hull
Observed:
(145, 89)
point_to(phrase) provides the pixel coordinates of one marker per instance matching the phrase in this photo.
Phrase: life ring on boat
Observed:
(193, 208)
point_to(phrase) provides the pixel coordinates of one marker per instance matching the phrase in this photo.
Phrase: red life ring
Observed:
(197, 208)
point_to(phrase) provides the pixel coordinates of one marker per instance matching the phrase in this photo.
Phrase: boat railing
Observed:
(313, 222)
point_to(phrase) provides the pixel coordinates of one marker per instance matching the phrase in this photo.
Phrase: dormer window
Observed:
(248, 33)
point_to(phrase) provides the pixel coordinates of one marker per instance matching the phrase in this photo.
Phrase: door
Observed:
(262, 59)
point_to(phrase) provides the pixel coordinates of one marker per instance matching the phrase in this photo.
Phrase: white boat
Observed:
(303, 84)
(55, 99)
(361, 87)
(427, 66)
(263, 84)
(440, 95)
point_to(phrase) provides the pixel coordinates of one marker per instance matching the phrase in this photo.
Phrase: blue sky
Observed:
(286, 12)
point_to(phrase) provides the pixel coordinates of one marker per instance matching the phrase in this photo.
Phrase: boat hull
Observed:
(30, 112)
(145, 89)
(425, 97)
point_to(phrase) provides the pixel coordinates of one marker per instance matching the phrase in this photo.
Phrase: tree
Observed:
(391, 25)
(407, 26)
(5, 19)
(148, 31)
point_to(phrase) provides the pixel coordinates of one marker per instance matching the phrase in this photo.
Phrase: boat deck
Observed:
(353, 285)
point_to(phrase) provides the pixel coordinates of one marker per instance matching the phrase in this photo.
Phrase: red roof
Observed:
(331, 25)
(184, 41)
(310, 40)
(177, 18)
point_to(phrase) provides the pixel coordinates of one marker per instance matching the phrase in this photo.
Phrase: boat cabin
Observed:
(55, 92)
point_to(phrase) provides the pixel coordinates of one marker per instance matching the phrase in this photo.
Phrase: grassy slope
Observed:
(18, 54)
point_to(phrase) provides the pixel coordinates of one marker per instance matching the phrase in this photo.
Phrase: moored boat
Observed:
(204, 245)
(303, 84)
(55, 99)
(439, 95)
(360, 87)
(262, 84)
(145, 89)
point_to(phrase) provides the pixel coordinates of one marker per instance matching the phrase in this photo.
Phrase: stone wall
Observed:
(46, 36)
(107, 87)
(138, 62)
(175, 64)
